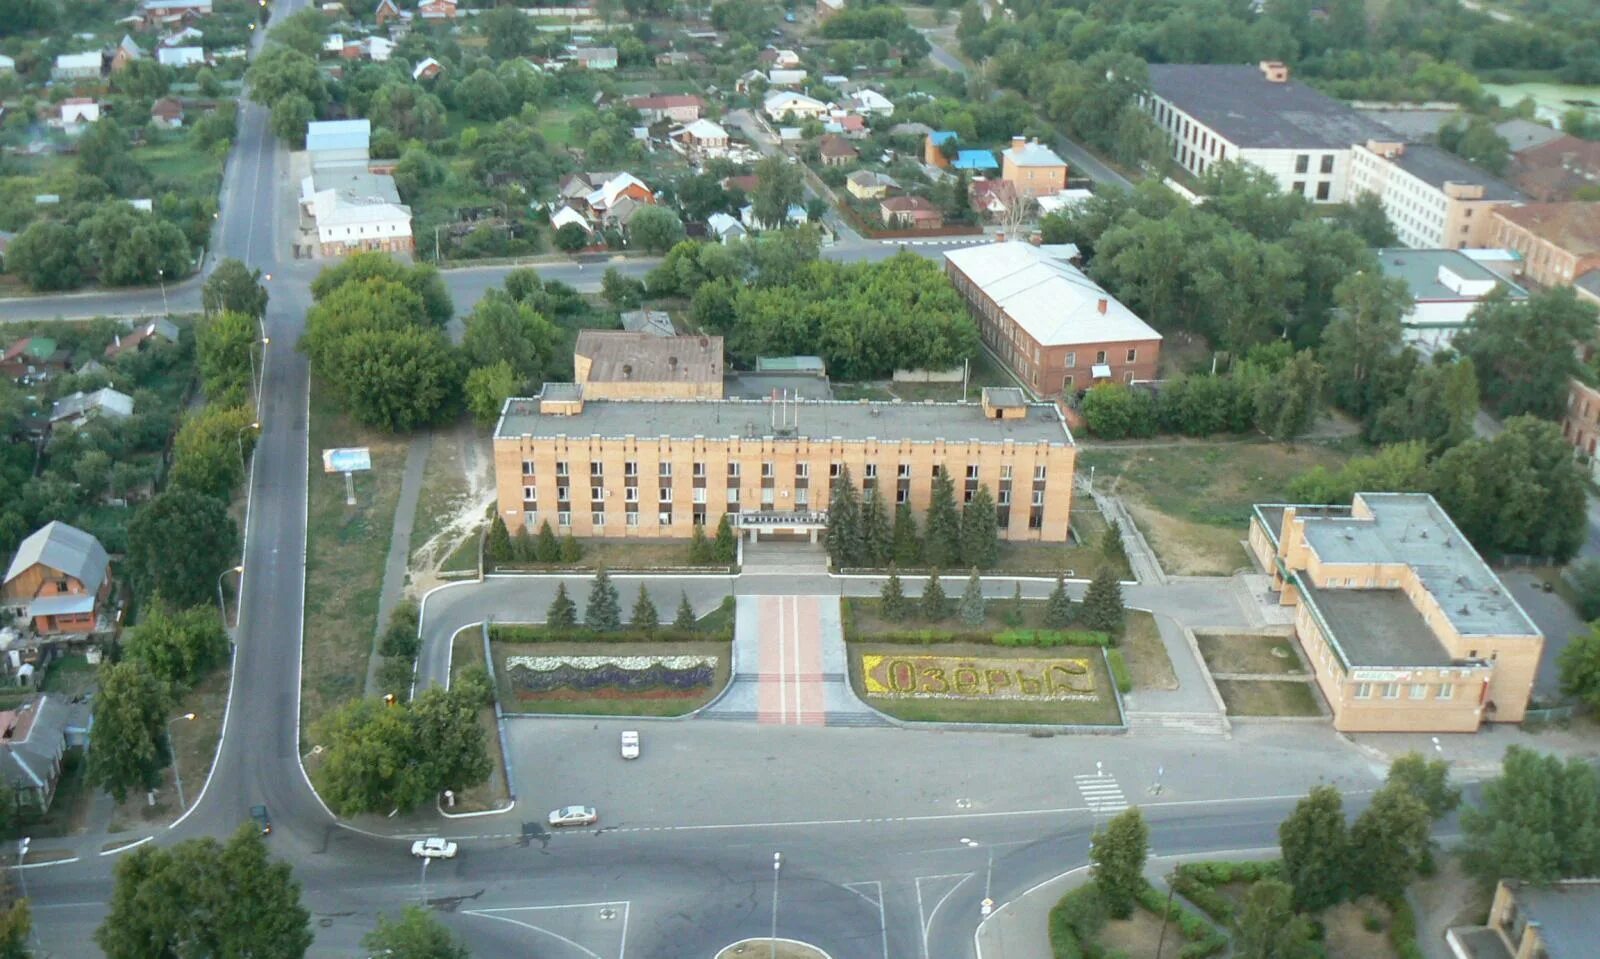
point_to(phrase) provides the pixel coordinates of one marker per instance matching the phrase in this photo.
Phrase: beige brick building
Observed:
(1559, 242)
(1434, 199)
(1581, 423)
(1406, 628)
(1055, 328)
(626, 365)
(1033, 169)
(657, 468)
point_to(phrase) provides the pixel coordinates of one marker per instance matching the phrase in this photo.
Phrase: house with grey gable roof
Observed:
(81, 406)
(34, 738)
(60, 578)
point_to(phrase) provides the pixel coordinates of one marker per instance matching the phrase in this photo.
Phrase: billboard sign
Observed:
(354, 459)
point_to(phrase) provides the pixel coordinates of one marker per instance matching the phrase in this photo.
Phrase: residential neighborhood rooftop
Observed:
(338, 135)
(65, 548)
(1049, 298)
(817, 420)
(1242, 105)
(1565, 912)
(1031, 153)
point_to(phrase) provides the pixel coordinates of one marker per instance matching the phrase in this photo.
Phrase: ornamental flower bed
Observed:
(610, 675)
(978, 678)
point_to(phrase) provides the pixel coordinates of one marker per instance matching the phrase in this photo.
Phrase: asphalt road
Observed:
(669, 877)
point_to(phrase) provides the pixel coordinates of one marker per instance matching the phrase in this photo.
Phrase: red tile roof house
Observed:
(910, 213)
(677, 107)
(61, 578)
(34, 358)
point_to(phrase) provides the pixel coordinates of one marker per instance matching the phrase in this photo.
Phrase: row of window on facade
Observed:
(1414, 690)
(802, 495)
(1194, 133)
(769, 470)
(597, 518)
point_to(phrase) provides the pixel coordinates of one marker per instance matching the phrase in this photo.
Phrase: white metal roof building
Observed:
(338, 139)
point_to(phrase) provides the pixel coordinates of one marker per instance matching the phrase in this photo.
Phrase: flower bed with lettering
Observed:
(974, 677)
(984, 683)
(603, 675)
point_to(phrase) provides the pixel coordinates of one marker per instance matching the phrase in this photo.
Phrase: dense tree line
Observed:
(380, 756)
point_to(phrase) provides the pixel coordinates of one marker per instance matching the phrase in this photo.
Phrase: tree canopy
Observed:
(378, 757)
(178, 543)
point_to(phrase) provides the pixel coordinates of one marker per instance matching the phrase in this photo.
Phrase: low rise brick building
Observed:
(1405, 626)
(1559, 242)
(658, 468)
(625, 365)
(1055, 328)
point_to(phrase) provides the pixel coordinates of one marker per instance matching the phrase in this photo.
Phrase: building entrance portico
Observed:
(783, 525)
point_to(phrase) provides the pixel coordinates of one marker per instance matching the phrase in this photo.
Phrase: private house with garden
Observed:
(59, 581)
(659, 468)
(1057, 330)
(37, 735)
(1405, 627)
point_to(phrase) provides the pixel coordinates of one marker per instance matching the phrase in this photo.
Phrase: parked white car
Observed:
(630, 744)
(434, 848)
(574, 816)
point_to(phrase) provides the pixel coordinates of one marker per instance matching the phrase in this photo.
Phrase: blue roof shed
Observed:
(975, 160)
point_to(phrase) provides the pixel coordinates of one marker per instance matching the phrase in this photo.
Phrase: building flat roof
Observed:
(619, 356)
(338, 135)
(1436, 167)
(1412, 528)
(1049, 298)
(1524, 134)
(1411, 124)
(1240, 104)
(1565, 912)
(1420, 271)
(1375, 628)
(1575, 227)
(812, 419)
(354, 182)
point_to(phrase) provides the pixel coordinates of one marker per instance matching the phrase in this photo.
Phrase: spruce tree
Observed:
(877, 535)
(1058, 608)
(522, 545)
(685, 618)
(933, 605)
(497, 548)
(844, 523)
(645, 616)
(907, 543)
(980, 532)
(1316, 850)
(570, 551)
(1112, 547)
(562, 614)
(972, 601)
(1102, 603)
(1014, 615)
(893, 598)
(547, 550)
(1117, 854)
(941, 538)
(699, 547)
(603, 612)
(725, 548)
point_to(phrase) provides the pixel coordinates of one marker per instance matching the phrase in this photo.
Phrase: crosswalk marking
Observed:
(1100, 792)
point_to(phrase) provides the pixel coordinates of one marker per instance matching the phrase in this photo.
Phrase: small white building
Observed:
(796, 216)
(81, 406)
(350, 225)
(77, 66)
(181, 57)
(781, 103)
(725, 228)
(870, 103)
(702, 135)
(785, 78)
(7, 65)
(1446, 286)
(567, 215)
(339, 141)
(78, 110)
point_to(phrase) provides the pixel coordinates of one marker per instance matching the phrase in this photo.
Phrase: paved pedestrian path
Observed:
(790, 666)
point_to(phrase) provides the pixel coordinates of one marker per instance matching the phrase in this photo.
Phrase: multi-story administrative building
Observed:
(1257, 115)
(1405, 626)
(1055, 328)
(1434, 199)
(658, 468)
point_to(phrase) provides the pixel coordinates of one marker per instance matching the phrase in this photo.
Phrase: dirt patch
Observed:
(1186, 548)
(457, 491)
(1137, 936)
(1449, 898)
(1148, 662)
(1241, 653)
(1266, 697)
(1347, 936)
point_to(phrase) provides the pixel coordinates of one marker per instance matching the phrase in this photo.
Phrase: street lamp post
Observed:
(221, 604)
(777, 870)
(22, 858)
(177, 774)
(162, 274)
(424, 881)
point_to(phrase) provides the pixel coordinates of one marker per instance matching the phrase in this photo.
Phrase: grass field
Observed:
(1265, 697)
(625, 553)
(1101, 712)
(466, 652)
(1235, 653)
(174, 158)
(1192, 500)
(1148, 662)
(555, 127)
(574, 702)
(345, 551)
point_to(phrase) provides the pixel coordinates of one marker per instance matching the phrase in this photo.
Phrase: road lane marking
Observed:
(1100, 792)
(927, 919)
(484, 914)
(877, 900)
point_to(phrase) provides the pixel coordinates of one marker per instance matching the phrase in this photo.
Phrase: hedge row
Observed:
(1204, 939)
(1075, 920)
(666, 634)
(1046, 638)
(1403, 929)
(1197, 882)
(1119, 671)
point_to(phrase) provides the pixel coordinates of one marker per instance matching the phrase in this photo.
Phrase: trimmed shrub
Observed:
(1119, 670)
(1403, 929)
(1075, 920)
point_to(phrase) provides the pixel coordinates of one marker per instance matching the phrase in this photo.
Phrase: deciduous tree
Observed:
(488, 387)
(1538, 822)
(415, 933)
(223, 344)
(1519, 492)
(1364, 334)
(655, 229)
(211, 447)
(1268, 926)
(178, 647)
(778, 187)
(499, 329)
(1287, 403)
(234, 287)
(1116, 855)
(130, 715)
(1316, 850)
(377, 757)
(1388, 842)
(177, 544)
(398, 380)
(1523, 351)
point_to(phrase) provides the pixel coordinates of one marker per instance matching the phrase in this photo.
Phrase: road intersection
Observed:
(889, 837)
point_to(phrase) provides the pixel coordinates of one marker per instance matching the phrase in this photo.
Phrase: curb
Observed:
(125, 846)
(474, 815)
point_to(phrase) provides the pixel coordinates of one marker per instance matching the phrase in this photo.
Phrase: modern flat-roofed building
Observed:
(658, 468)
(1406, 628)
(626, 365)
(1255, 114)
(1435, 200)
(1055, 328)
(1446, 286)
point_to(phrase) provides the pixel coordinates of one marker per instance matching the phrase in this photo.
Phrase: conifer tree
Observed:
(725, 547)
(933, 605)
(844, 523)
(980, 532)
(699, 547)
(603, 612)
(941, 537)
(907, 543)
(972, 606)
(498, 545)
(547, 549)
(877, 535)
(1102, 603)
(522, 545)
(1112, 548)
(1014, 615)
(893, 598)
(570, 551)
(1058, 608)
(645, 616)
(563, 613)
(685, 618)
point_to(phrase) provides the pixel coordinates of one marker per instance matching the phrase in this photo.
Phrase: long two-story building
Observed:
(1405, 626)
(1057, 330)
(659, 468)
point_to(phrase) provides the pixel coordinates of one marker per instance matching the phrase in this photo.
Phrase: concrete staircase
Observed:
(1191, 724)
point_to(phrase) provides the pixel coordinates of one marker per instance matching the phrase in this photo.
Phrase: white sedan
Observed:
(435, 848)
(574, 816)
(630, 744)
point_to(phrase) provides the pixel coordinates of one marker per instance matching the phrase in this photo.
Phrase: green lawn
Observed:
(68, 676)
(554, 126)
(466, 652)
(179, 161)
(345, 551)
(1239, 653)
(1192, 500)
(1264, 697)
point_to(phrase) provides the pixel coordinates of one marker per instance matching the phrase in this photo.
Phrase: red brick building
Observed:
(1055, 328)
